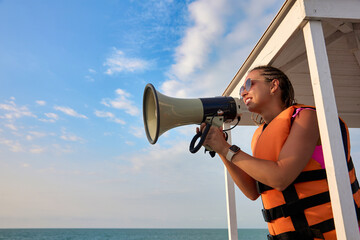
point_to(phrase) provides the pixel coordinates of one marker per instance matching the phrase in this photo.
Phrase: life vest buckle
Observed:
(258, 187)
(285, 210)
(270, 237)
(266, 214)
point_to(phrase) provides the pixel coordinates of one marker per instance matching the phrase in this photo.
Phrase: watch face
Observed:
(234, 148)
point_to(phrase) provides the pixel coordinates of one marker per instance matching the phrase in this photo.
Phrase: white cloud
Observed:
(104, 114)
(130, 143)
(118, 62)
(37, 149)
(92, 71)
(61, 149)
(25, 165)
(14, 146)
(169, 163)
(157, 158)
(11, 126)
(69, 111)
(122, 102)
(51, 117)
(89, 78)
(33, 135)
(110, 116)
(208, 18)
(222, 34)
(41, 102)
(71, 138)
(14, 112)
(138, 132)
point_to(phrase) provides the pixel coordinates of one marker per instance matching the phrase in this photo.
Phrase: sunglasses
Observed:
(247, 87)
(248, 84)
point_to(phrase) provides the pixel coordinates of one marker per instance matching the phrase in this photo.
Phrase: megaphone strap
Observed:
(201, 135)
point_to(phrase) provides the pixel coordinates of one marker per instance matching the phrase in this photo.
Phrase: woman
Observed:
(287, 166)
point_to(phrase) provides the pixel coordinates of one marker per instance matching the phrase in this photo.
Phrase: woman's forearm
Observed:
(244, 182)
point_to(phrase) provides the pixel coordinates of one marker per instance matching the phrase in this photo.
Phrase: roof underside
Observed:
(342, 38)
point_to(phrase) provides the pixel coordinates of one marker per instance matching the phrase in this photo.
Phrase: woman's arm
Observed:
(294, 156)
(244, 182)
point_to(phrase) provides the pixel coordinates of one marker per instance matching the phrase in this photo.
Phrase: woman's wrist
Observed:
(225, 150)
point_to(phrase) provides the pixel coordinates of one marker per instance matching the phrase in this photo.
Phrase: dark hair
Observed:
(287, 90)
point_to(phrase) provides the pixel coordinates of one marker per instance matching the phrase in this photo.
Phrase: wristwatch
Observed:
(231, 152)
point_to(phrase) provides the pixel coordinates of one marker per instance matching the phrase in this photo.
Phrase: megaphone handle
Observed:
(195, 138)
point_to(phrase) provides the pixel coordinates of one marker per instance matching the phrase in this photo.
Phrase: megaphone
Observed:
(162, 113)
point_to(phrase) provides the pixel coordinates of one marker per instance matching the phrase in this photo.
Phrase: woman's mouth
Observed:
(247, 100)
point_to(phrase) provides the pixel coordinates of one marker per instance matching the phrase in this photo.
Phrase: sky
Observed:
(73, 150)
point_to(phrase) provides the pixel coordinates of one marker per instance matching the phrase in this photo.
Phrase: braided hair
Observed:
(287, 90)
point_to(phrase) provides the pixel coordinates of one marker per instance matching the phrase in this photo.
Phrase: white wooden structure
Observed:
(317, 44)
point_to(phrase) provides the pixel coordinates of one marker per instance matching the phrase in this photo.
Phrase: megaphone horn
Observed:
(161, 113)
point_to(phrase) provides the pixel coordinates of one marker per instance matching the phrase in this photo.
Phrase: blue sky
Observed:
(72, 144)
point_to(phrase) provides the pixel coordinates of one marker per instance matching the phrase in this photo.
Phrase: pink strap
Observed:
(318, 152)
(298, 110)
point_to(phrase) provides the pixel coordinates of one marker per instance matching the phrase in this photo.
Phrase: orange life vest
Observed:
(303, 209)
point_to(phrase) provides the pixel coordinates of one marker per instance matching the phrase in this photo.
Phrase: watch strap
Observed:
(231, 152)
(229, 155)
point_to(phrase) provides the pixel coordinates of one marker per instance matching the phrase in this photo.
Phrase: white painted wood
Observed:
(302, 57)
(336, 168)
(344, 27)
(320, 9)
(230, 199)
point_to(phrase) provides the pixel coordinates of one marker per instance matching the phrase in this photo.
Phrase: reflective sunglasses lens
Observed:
(248, 84)
(241, 90)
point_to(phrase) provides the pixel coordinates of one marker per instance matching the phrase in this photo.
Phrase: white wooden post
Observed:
(230, 199)
(336, 167)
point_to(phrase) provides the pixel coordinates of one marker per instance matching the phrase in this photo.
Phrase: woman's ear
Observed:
(275, 85)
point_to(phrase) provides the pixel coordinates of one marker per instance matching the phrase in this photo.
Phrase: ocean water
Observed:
(129, 234)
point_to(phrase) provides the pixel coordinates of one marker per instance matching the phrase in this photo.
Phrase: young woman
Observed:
(287, 166)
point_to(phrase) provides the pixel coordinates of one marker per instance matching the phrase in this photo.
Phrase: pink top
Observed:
(318, 152)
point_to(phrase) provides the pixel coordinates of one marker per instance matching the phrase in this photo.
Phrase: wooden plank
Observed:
(230, 198)
(357, 56)
(231, 206)
(302, 57)
(320, 9)
(337, 174)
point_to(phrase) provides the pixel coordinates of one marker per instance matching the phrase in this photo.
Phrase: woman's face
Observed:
(259, 94)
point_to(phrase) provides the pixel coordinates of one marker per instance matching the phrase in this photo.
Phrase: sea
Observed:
(129, 234)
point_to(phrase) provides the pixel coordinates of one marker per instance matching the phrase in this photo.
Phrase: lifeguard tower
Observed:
(317, 44)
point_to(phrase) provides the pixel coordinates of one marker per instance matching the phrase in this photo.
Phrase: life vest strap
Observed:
(350, 164)
(292, 208)
(315, 231)
(306, 176)
(355, 186)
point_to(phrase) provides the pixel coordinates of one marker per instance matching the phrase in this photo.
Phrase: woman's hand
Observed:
(215, 139)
